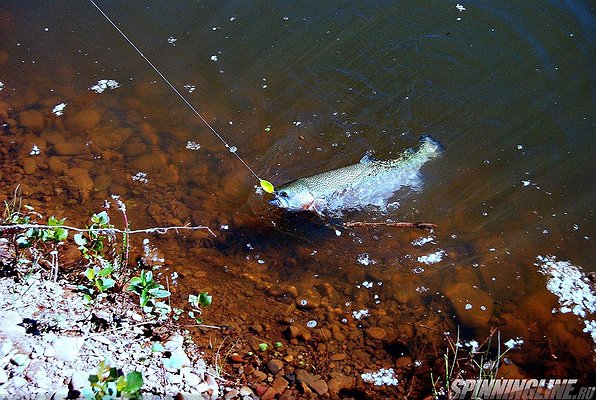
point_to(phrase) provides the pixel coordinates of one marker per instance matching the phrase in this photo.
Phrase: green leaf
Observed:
(79, 239)
(61, 234)
(93, 379)
(263, 346)
(107, 283)
(101, 219)
(159, 293)
(134, 381)
(134, 281)
(121, 383)
(267, 186)
(90, 274)
(204, 299)
(105, 271)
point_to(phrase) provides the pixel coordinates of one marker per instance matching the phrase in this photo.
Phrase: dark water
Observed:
(507, 87)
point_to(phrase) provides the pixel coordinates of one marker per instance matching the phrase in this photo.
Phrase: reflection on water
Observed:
(300, 89)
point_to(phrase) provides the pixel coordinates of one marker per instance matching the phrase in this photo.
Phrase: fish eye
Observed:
(283, 194)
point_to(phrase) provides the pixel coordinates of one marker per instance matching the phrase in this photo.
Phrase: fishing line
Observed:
(266, 185)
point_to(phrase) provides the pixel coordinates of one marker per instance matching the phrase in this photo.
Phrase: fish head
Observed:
(293, 196)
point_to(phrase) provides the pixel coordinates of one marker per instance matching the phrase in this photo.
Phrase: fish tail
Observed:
(431, 146)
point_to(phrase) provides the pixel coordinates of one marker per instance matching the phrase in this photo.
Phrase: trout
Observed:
(370, 182)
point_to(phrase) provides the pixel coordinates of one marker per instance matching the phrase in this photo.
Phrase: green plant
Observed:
(149, 290)
(468, 360)
(197, 303)
(110, 383)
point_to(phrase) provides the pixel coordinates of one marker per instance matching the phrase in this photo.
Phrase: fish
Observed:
(370, 182)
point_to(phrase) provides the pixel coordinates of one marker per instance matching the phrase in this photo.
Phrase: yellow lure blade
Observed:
(267, 186)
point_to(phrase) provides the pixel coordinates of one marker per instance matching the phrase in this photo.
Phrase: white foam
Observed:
(572, 288)
(104, 84)
(58, 110)
(432, 258)
(382, 377)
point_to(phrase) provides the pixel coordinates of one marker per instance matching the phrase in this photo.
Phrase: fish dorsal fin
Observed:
(367, 158)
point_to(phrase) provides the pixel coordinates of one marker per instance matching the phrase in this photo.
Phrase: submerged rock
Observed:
(472, 306)
(32, 119)
(29, 165)
(82, 121)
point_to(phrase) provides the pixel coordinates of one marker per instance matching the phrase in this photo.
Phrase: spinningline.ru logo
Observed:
(520, 389)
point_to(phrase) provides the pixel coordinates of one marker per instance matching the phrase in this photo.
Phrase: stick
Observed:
(418, 225)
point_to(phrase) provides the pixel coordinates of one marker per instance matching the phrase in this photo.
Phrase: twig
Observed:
(108, 231)
(418, 225)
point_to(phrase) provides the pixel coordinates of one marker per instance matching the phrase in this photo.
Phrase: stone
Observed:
(29, 165)
(80, 178)
(21, 361)
(282, 290)
(134, 149)
(3, 376)
(173, 342)
(56, 165)
(202, 387)
(67, 348)
(71, 149)
(5, 348)
(32, 119)
(319, 386)
(338, 357)
(62, 394)
(376, 333)
(37, 374)
(82, 121)
(112, 139)
(340, 383)
(52, 137)
(260, 390)
(192, 379)
(279, 384)
(231, 394)
(174, 379)
(269, 394)
(246, 391)
(49, 351)
(102, 182)
(275, 366)
(9, 324)
(19, 381)
(473, 307)
(304, 376)
(259, 376)
(308, 299)
(78, 380)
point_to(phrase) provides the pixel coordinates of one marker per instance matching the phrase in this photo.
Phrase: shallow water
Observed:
(508, 88)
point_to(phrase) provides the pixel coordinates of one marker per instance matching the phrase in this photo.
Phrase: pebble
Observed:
(61, 394)
(5, 348)
(71, 149)
(259, 376)
(21, 361)
(460, 295)
(3, 376)
(32, 119)
(192, 379)
(173, 378)
(82, 121)
(275, 366)
(29, 165)
(231, 394)
(279, 384)
(19, 381)
(309, 299)
(78, 380)
(67, 348)
(319, 386)
(339, 383)
(246, 391)
(49, 351)
(269, 394)
(375, 332)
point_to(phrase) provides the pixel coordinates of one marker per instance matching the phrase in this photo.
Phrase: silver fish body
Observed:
(367, 183)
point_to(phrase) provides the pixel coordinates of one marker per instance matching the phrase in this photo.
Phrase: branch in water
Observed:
(160, 230)
(418, 225)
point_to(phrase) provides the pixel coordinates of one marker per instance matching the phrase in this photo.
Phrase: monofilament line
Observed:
(175, 90)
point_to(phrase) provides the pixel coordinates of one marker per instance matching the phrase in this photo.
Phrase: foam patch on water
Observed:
(1, 86)
(104, 84)
(432, 258)
(58, 110)
(573, 289)
(382, 377)
(421, 241)
(365, 259)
